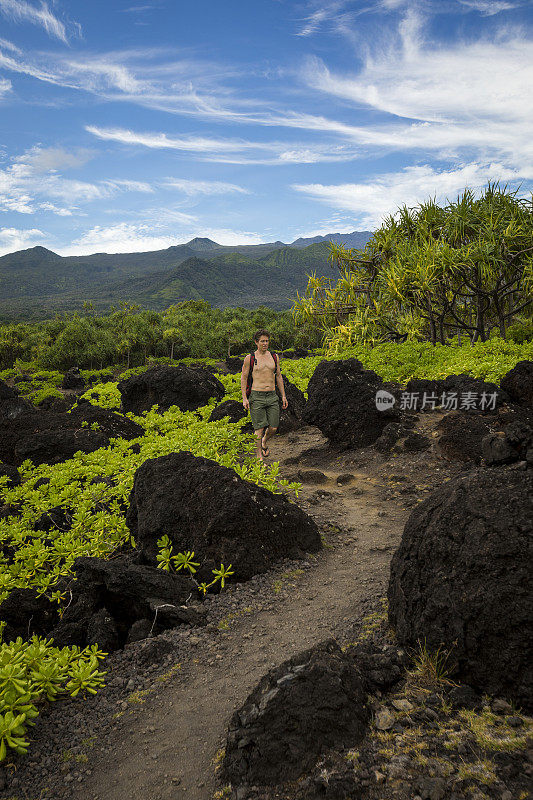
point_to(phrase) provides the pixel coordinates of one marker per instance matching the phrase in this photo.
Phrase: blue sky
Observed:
(128, 126)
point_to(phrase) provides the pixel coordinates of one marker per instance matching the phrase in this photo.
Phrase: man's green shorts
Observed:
(264, 409)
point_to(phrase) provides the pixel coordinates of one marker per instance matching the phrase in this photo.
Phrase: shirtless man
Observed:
(263, 401)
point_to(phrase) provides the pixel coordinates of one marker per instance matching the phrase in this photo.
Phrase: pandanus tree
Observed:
(430, 272)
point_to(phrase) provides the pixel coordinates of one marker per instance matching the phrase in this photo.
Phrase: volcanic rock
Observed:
(73, 380)
(342, 403)
(185, 387)
(48, 438)
(51, 447)
(207, 508)
(11, 404)
(314, 701)
(461, 436)
(291, 417)
(56, 405)
(233, 364)
(518, 383)
(480, 391)
(505, 447)
(26, 613)
(126, 592)
(415, 442)
(229, 408)
(460, 579)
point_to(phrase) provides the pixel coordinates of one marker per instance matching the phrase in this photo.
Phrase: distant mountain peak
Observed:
(41, 251)
(202, 244)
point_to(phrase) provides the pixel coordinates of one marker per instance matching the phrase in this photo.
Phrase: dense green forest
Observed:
(131, 334)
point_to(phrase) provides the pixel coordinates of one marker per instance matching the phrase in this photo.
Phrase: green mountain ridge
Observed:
(36, 282)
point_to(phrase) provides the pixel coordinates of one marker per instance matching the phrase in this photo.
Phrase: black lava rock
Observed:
(518, 383)
(229, 408)
(460, 579)
(185, 387)
(461, 436)
(207, 508)
(12, 405)
(314, 701)
(73, 380)
(342, 403)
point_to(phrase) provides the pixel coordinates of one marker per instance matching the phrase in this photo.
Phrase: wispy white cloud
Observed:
(5, 86)
(159, 141)
(480, 80)
(12, 239)
(384, 194)
(21, 11)
(238, 151)
(137, 9)
(122, 237)
(32, 182)
(126, 237)
(7, 45)
(489, 7)
(192, 188)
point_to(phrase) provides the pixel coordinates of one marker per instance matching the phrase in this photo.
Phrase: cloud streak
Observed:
(384, 194)
(21, 11)
(32, 183)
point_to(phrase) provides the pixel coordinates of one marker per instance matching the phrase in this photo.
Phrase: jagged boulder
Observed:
(314, 701)
(12, 405)
(414, 442)
(48, 438)
(342, 403)
(108, 597)
(110, 423)
(185, 387)
(229, 408)
(518, 383)
(52, 447)
(207, 508)
(233, 364)
(73, 380)
(56, 405)
(512, 444)
(26, 613)
(291, 417)
(461, 579)
(461, 436)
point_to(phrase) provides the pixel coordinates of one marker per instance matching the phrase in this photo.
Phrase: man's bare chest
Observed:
(264, 365)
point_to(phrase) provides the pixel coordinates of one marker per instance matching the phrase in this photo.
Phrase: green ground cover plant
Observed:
(35, 671)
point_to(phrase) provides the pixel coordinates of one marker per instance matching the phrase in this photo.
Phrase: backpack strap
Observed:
(250, 378)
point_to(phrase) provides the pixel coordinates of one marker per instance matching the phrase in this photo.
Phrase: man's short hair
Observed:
(258, 334)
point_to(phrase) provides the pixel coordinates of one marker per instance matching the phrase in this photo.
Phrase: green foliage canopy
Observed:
(430, 273)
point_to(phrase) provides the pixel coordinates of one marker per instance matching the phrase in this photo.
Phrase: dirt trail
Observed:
(165, 748)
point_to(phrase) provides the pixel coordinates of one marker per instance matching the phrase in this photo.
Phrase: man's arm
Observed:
(281, 387)
(244, 380)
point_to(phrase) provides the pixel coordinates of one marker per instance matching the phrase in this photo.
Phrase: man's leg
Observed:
(259, 421)
(259, 444)
(273, 423)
